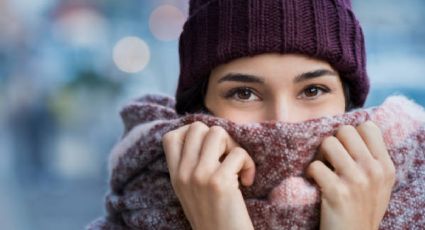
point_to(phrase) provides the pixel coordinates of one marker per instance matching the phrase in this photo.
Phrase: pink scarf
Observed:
(141, 195)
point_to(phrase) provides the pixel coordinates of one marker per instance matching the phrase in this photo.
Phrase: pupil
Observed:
(312, 91)
(244, 94)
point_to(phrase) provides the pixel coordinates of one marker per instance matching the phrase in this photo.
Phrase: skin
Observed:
(279, 97)
(205, 163)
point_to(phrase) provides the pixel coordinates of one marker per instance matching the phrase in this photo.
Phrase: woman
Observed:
(277, 78)
(281, 60)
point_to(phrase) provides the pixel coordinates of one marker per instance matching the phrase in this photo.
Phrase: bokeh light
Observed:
(81, 27)
(64, 67)
(131, 54)
(166, 22)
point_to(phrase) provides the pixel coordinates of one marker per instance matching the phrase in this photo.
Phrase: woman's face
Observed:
(289, 88)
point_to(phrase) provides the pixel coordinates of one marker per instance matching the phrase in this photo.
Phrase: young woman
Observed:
(274, 60)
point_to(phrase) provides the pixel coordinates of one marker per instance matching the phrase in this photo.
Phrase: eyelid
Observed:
(230, 93)
(323, 88)
(320, 86)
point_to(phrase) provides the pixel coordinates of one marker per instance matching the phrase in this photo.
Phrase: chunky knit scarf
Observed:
(141, 195)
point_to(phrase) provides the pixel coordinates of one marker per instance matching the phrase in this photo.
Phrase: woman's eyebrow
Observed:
(314, 74)
(242, 78)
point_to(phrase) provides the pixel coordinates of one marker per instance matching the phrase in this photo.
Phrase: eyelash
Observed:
(232, 92)
(324, 90)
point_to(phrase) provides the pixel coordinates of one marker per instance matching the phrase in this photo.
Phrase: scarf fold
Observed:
(141, 195)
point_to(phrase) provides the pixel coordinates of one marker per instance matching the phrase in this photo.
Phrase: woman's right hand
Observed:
(205, 164)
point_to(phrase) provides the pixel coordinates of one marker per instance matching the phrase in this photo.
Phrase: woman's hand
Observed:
(355, 195)
(204, 164)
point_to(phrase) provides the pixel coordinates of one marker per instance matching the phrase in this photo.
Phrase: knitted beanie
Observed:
(218, 31)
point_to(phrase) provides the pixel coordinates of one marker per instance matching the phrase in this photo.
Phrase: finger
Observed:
(372, 136)
(319, 156)
(217, 142)
(334, 152)
(322, 175)
(354, 144)
(239, 162)
(192, 148)
(172, 143)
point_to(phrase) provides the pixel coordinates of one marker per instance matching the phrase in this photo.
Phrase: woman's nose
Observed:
(284, 112)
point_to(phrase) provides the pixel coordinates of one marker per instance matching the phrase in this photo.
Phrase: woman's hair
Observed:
(192, 100)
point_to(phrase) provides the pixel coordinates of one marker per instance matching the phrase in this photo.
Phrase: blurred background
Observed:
(67, 67)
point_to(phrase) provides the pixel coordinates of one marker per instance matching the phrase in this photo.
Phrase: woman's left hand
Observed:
(355, 195)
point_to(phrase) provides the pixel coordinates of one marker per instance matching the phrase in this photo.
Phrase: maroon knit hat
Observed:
(218, 31)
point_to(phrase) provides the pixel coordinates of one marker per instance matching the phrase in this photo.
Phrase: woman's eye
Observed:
(312, 92)
(242, 94)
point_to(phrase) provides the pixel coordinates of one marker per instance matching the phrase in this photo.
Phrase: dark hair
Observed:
(192, 100)
(347, 94)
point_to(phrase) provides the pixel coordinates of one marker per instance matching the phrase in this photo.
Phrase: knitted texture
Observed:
(218, 31)
(141, 195)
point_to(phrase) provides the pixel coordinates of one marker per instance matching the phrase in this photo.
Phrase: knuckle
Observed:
(361, 182)
(198, 178)
(382, 173)
(341, 193)
(215, 184)
(181, 180)
(345, 130)
(313, 167)
(167, 137)
(239, 151)
(218, 130)
(313, 170)
(198, 125)
(328, 142)
(370, 126)
(376, 172)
